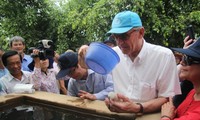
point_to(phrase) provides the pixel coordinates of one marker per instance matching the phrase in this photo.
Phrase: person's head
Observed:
(190, 63)
(17, 43)
(12, 61)
(128, 32)
(110, 41)
(44, 64)
(68, 64)
(69, 50)
(78, 72)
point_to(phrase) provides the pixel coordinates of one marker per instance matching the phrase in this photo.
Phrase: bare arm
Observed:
(125, 105)
(36, 74)
(62, 87)
(154, 105)
(81, 56)
(36, 59)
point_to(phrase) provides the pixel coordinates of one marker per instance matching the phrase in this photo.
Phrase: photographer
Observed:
(44, 77)
(46, 49)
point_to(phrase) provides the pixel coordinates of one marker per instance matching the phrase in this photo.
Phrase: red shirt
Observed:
(189, 108)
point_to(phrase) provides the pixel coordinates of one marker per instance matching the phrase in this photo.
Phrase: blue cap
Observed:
(192, 51)
(124, 21)
(66, 61)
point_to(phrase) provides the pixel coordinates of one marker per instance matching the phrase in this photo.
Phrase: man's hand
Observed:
(85, 95)
(36, 59)
(122, 105)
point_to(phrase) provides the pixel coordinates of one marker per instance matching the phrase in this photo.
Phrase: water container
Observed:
(101, 58)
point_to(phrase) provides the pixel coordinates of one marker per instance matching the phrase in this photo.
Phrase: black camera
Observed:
(46, 49)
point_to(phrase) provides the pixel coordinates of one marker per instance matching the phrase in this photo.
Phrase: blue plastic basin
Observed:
(101, 58)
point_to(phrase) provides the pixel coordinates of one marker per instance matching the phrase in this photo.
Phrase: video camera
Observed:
(46, 48)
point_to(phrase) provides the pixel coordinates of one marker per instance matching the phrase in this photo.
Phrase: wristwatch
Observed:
(141, 109)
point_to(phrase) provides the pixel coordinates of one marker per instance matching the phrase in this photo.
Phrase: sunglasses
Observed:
(187, 60)
(124, 36)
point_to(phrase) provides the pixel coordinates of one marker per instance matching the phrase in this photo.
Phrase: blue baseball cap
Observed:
(124, 21)
(192, 51)
(66, 61)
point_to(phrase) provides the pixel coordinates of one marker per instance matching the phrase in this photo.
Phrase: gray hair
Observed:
(16, 39)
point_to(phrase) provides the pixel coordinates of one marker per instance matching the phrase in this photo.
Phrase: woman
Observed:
(189, 109)
(44, 78)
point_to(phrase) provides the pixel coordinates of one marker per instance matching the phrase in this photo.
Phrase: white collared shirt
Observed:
(152, 74)
(8, 82)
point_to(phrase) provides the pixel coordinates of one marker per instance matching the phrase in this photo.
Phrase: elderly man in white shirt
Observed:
(146, 75)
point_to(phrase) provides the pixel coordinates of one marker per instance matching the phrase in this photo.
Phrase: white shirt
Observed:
(8, 82)
(152, 74)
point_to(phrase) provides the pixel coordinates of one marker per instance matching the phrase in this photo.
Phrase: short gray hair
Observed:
(16, 39)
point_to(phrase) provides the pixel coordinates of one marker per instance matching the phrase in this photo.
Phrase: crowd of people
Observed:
(149, 78)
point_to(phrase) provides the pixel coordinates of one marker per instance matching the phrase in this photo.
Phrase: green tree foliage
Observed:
(78, 22)
(164, 20)
(31, 19)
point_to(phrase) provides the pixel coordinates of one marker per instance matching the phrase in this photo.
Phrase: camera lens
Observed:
(42, 55)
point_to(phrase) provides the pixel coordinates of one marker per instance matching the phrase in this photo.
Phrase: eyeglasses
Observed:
(124, 36)
(187, 60)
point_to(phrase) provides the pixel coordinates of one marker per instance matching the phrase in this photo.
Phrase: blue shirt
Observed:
(96, 84)
(25, 62)
(3, 72)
